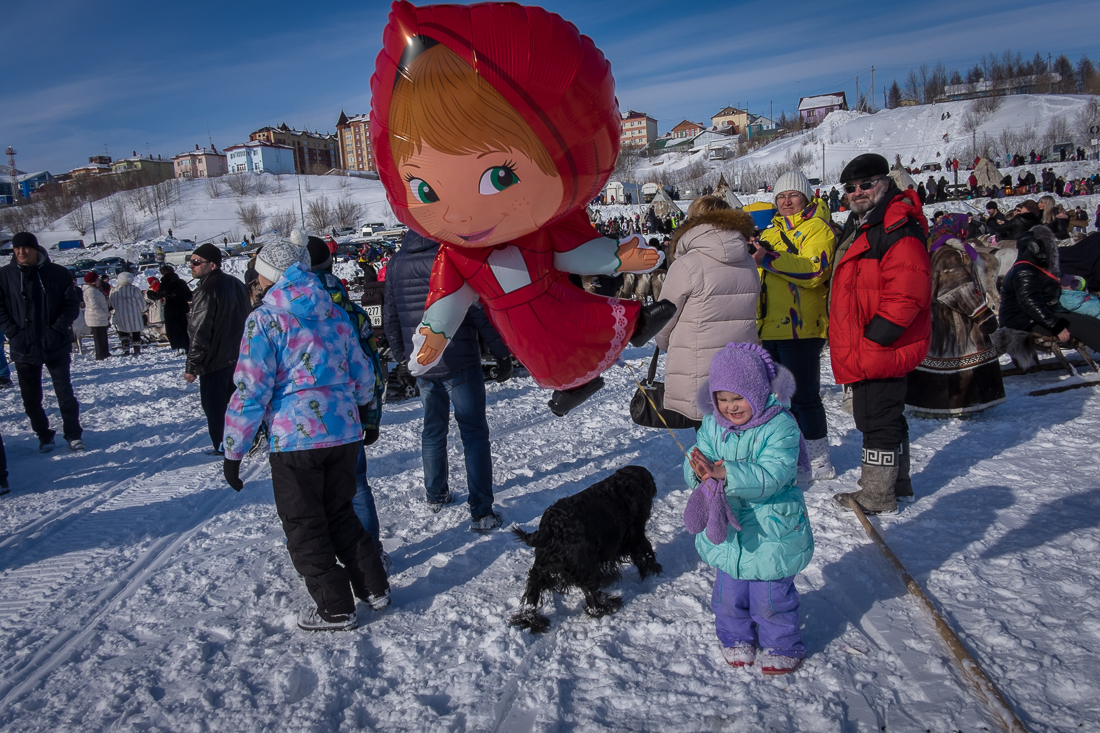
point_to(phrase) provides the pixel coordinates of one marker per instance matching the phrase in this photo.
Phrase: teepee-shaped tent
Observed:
(723, 191)
(663, 206)
(987, 174)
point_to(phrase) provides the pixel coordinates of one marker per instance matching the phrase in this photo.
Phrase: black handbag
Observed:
(647, 406)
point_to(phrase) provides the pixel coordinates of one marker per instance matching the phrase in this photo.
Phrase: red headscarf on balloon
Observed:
(554, 77)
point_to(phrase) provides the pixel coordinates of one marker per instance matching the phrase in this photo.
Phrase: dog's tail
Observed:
(531, 539)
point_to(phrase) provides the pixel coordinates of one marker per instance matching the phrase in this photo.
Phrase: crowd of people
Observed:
(286, 362)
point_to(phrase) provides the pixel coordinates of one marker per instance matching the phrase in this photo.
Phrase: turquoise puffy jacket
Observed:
(775, 540)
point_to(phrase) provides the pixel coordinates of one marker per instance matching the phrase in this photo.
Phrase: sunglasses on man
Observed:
(194, 262)
(865, 186)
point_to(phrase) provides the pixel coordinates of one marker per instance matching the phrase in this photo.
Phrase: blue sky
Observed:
(162, 77)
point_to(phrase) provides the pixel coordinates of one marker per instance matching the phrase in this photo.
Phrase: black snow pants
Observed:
(878, 406)
(313, 492)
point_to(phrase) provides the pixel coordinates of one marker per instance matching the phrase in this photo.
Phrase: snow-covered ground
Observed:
(138, 592)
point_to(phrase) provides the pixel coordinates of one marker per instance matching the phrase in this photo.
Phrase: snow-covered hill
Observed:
(920, 134)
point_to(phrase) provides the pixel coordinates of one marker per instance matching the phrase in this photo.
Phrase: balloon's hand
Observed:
(433, 346)
(636, 256)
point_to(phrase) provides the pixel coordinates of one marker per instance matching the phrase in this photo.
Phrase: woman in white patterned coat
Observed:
(129, 306)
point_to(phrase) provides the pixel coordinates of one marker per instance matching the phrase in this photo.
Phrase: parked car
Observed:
(345, 232)
(146, 258)
(931, 167)
(83, 266)
(111, 265)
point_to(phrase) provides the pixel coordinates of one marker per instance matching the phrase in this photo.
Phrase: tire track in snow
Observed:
(82, 623)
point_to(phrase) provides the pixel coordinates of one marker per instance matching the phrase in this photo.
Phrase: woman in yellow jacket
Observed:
(795, 258)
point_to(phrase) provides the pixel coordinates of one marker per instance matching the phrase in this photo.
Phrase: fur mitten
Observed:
(707, 509)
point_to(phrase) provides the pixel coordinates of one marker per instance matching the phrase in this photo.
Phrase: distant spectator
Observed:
(176, 296)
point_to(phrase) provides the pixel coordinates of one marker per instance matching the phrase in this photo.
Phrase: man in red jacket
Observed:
(880, 323)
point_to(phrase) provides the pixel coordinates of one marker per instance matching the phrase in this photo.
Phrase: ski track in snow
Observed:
(140, 593)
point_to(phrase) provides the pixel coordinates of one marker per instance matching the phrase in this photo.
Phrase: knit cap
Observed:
(277, 256)
(794, 181)
(26, 239)
(748, 370)
(208, 252)
(125, 278)
(90, 277)
(319, 256)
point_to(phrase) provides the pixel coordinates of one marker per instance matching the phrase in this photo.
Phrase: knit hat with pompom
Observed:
(277, 256)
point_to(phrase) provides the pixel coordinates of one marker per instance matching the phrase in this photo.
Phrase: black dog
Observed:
(582, 539)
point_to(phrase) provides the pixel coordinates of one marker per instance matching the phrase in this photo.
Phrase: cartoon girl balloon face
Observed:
(455, 203)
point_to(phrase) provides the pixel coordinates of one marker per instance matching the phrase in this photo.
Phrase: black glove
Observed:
(370, 436)
(232, 472)
(504, 369)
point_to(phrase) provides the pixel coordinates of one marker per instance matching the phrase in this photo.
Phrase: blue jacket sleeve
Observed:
(254, 379)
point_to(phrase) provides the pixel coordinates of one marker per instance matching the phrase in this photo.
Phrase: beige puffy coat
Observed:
(715, 285)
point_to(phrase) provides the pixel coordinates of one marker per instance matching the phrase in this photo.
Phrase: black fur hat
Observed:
(867, 165)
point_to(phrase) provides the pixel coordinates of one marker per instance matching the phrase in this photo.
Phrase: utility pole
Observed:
(92, 211)
(301, 208)
(859, 105)
(156, 207)
(822, 161)
(872, 88)
(1050, 75)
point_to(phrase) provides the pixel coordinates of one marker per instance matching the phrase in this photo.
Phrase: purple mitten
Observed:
(719, 514)
(695, 513)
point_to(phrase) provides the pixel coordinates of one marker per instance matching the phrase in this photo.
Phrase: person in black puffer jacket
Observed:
(219, 308)
(456, 379)
(1031, 290)
(38, 304)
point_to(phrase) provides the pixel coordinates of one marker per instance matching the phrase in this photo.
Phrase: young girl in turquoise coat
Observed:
(747, 512)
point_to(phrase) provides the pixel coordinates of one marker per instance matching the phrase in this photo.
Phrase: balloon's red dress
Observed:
(561, 85)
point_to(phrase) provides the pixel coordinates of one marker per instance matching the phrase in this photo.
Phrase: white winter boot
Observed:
(821, 468)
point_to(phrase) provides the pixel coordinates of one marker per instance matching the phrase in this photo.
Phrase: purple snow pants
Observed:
(769, 605)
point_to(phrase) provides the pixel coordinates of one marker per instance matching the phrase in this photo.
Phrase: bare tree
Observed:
(251, 217)
(283, 221)
(214, 187)
(319, 214)
(280, 184)
(238, 183)
(347, 212)
(80, 220)
(260, 184)
(123, 226)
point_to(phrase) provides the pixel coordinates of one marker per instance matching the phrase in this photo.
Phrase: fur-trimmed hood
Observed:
(1039, 247)
(688, 234)
(782, 387)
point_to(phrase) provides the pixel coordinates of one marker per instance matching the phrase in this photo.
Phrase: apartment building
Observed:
(639, 130)
(314, 152)
(353, 134)
(200, 163)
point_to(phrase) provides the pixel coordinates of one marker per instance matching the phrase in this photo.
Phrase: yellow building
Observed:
(738, 119)
(155, 169)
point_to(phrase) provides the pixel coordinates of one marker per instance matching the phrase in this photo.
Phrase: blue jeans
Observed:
(758, 611)
(363, 501)
(466, 391)
(803, 358)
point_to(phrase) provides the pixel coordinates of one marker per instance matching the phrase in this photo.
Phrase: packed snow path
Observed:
(138, 592)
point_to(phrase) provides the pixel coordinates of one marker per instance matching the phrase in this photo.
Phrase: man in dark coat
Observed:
(177, 303)
(38, 304)
(880, 323)
(456, 379)
(219, 307)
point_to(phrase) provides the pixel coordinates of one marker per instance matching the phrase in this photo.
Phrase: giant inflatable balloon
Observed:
(493, 125)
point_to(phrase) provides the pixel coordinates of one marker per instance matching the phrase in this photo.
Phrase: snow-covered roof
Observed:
(199, 151)
(822, 100)
(257, 144)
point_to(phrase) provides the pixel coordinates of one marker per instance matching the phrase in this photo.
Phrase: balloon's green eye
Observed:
(497, 178)
(422, 191)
